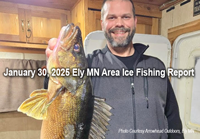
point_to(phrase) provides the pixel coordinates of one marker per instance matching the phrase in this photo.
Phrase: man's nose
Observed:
(119, 22)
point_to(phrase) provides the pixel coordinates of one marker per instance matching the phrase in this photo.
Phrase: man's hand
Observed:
(51, 45)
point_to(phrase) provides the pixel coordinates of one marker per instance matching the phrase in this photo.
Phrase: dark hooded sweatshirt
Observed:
(144, 107)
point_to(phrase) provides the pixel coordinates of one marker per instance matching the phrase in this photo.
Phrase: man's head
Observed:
(118, 22)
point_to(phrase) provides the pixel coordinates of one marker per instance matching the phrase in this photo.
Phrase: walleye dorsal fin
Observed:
(34, 106)
(100, 119)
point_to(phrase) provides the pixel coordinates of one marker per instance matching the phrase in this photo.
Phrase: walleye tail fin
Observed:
(100, 119)
(34, 106)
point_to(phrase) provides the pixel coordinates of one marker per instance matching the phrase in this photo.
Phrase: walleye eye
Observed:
(76, 48)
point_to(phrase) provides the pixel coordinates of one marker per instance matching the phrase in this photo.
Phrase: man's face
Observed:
(118, 23)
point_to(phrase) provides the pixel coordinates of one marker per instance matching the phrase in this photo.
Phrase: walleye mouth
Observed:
(69, 35)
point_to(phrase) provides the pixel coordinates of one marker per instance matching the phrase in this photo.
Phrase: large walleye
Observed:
(68, 108)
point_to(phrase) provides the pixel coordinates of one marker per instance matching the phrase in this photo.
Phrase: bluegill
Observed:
(68, 108)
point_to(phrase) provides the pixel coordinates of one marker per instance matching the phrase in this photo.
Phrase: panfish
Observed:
(68, 108)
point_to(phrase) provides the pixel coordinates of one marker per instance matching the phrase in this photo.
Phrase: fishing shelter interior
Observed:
(26, 27)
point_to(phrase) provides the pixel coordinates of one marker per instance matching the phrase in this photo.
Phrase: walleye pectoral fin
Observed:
(34, 106)
(36, 92)
(100, 119)
(69, 132)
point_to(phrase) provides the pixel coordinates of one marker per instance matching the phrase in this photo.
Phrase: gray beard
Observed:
(124, 43)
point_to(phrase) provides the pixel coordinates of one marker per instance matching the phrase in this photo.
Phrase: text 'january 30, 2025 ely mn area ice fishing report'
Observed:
(151, 72)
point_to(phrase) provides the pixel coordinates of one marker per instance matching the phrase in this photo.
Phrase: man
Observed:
(144, 107)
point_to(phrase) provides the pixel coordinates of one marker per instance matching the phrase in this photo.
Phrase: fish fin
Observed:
(69, 132)
(34, 106)
(100, 119)
(36, 92)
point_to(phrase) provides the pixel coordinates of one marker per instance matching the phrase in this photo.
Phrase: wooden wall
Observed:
(79, 15)
(174, 32)
(181, 15)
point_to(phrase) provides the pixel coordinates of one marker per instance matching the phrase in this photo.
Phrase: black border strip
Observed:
(171, 8)
(185, 2)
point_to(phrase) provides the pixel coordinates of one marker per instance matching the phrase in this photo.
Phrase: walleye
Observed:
(68, 108)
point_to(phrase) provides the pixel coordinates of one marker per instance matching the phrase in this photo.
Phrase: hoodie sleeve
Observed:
(172, 114)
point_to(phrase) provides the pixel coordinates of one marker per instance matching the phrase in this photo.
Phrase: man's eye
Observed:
(126, 17)
(110, 17)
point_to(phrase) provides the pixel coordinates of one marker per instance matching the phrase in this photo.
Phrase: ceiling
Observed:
(68, 4)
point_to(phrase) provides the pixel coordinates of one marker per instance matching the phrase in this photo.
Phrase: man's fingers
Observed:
(48, 52)
(52, 43)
